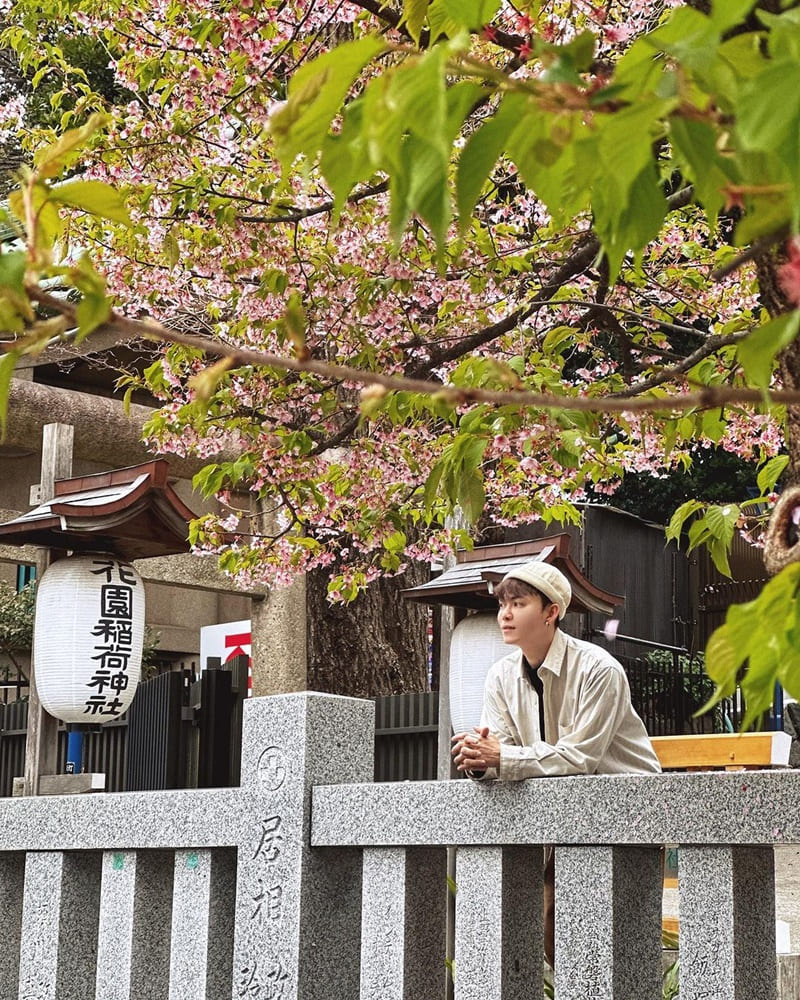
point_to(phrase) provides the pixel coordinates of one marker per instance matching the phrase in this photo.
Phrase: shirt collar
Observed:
(555, 654)
(554, 659)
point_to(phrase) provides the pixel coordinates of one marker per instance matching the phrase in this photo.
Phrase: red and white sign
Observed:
(228, 640)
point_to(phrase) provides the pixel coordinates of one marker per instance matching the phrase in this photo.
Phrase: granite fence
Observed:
(309, 882)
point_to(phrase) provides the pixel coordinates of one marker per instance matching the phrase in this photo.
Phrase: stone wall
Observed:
(310, 882)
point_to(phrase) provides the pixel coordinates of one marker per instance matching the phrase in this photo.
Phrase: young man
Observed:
(555, 706)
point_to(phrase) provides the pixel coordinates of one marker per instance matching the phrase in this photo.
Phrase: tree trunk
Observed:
(375, 646)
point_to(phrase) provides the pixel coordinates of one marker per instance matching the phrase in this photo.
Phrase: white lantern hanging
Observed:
(88, 638)
(475, 645)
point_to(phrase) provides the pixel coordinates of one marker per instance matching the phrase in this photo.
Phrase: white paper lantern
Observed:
(88, 638)
(475, 645)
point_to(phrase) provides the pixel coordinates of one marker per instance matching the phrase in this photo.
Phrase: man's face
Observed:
(523, 620)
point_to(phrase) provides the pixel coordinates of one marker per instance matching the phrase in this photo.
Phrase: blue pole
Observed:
(74, 751)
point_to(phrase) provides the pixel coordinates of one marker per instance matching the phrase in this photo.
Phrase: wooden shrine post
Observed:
(41, 746)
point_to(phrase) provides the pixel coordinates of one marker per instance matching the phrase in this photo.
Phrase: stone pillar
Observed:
(12, 876)
(499, 944)
(298, 911)
(608, 923)
(59, 936)
(115, 948)
(403, 942)
(189, 937)
(727, 923)
(278, 640)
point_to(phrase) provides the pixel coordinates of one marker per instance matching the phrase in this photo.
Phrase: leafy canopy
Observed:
(529, 231)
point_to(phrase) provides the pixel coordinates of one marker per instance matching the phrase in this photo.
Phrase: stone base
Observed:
(71, 784)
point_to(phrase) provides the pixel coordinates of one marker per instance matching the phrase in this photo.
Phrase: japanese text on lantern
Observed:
(113, 643)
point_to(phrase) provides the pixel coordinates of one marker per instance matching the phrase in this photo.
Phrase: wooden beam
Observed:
(41, 744)
(732, 751)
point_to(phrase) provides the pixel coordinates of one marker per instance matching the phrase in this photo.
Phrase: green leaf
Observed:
(719, 556)
(768, 109)
(679, 518)
(689, 36)
(546, 152)
(763, 633)
(407, 137)
(51, 160)
(316, 92)
(295, 321)
(205, 382)
(567, 62)
(770, 472)
(768, 215)
(722, 660)
(13, 264)
(344, 158)
(581, 50)
(94, 197)
(720, 521)
(172, 250)
(727, 14)
(695, 143)
(8, 362)
(461, 98)
(471, 14)
(471, 494)
(15, 307)
(757, 352)
(414, 12)
(630, 221)
(92, 311)
(440, 22)
(481, 152)
(431, 490)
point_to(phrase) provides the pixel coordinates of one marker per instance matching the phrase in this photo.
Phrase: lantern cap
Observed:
(468, 584)
(132, 513)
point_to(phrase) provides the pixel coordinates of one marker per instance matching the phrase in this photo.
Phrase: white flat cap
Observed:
(547, 579)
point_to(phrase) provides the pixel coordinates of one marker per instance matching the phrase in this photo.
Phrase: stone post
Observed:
(498, 928)
(59, 946)
(608, 923)
(403, 923)
(298, 912)
(727, 922)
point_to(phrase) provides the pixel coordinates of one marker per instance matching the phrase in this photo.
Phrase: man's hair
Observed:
(507, 590)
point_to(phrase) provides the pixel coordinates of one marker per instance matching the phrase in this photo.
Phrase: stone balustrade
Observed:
(310, 883)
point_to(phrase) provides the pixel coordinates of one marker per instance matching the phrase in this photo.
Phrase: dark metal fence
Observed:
(669, 687)
(177, 733)
(104, 750)
(156, 738)
(406, 736)
(182, 732)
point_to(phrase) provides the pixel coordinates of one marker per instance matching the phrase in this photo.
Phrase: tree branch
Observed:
(585, 252)
(706, 398)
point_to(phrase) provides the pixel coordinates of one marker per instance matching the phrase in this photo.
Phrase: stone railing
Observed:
(305, 884)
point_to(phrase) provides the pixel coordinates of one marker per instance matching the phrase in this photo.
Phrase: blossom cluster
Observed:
(226, 244)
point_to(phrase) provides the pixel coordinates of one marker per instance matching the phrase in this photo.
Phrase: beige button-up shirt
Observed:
(590, 723)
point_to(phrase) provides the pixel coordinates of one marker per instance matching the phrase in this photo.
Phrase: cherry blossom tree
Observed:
(425, 268)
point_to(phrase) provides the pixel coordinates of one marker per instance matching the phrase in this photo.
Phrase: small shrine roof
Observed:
(134, 513)
(468, 583)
